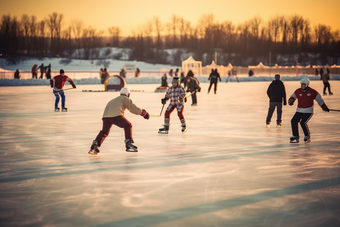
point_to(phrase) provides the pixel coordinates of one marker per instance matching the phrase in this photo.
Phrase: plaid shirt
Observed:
(174, 94)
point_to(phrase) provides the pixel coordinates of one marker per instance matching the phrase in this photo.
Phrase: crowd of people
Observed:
(178, 94)
(43, 70)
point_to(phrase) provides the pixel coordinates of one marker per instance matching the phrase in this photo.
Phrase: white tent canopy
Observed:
(193, 65)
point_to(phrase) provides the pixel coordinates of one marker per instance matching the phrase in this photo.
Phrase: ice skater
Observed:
(57, 83)
(34, 71)
(114, 115)
(325, 78)
(176, 94)
(214, 77)
(276, 93)
(42, 70)
(193, 87)
(304, 112)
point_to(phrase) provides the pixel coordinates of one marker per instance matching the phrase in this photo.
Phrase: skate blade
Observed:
(163, 132)
(92, 153)
(64, 111)
(307, 141)
(184, 131)
(56, 110)
(294, 141)
(131, 150)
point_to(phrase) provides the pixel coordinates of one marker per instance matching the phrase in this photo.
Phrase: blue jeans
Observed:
(62, 95)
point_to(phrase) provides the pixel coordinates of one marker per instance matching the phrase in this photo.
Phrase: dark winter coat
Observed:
(214, 76)
(277, 92)
(192, 85)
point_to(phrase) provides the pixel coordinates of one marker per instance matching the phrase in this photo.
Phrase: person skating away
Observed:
(57, 83)
(42, 70)
(176, 94)
(48, 72)
(277, 94)
(304, 112)
(193, 88)
(325, 79)
(214, 77)
(114, 115)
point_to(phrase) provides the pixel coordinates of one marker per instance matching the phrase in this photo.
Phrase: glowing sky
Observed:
(129, 14)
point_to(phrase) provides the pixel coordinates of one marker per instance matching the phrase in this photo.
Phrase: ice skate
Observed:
(330, 93)
(279, 125)
(307, 139)
(164, 130)
(184, 128)
(64, 109)
(56, 109)
(267, 125)
(94, 148)
(129, 147)
(294, 139)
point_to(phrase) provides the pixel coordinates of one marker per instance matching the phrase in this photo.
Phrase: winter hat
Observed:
(125, 91)
(304, 80)
(61, 71)
(175, 80)
(277, 77)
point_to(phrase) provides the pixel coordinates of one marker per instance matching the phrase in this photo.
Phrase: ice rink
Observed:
(228, 169)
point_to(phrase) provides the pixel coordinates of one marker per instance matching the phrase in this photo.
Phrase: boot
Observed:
(129, 147)
(164, 130)
(94, 148)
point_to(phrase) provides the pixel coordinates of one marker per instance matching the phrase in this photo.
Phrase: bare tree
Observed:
(25, 23)
(41, 37)
(115, 35)
(254, 25)
(296, 23)
(77, 29)
(173, 27)
(158, 32)
(229, 35)
(305, 37)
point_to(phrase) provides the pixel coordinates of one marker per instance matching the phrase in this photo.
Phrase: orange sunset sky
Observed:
(130, 14)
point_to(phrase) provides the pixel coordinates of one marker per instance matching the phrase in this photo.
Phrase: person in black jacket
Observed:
(192, 87)
(276, 93)
(213, 77)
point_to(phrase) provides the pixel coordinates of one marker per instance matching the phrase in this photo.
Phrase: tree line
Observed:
(251, 39)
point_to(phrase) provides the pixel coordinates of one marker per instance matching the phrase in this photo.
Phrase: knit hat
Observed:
(277, 77)
(175, 80)
(61, 71)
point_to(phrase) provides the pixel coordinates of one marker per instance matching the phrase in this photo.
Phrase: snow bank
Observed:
(152, 80)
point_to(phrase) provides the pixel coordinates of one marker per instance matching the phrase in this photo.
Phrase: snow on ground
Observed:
(87, 72)
(227, 170)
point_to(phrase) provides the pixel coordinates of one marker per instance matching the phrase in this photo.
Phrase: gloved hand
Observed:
(73, 85)
(187, 90)
(145, 114)
(185, 99)
(291, 101)
(164, 100)
(285, 103)
(51, 85)
(324, 107)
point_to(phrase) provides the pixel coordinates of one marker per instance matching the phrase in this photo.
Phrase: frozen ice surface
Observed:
(228, 169)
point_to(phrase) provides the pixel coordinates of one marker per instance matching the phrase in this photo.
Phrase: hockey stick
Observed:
(189, 94)
(68, 88)
(159, 114)
(334, 110)
(137, 90)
